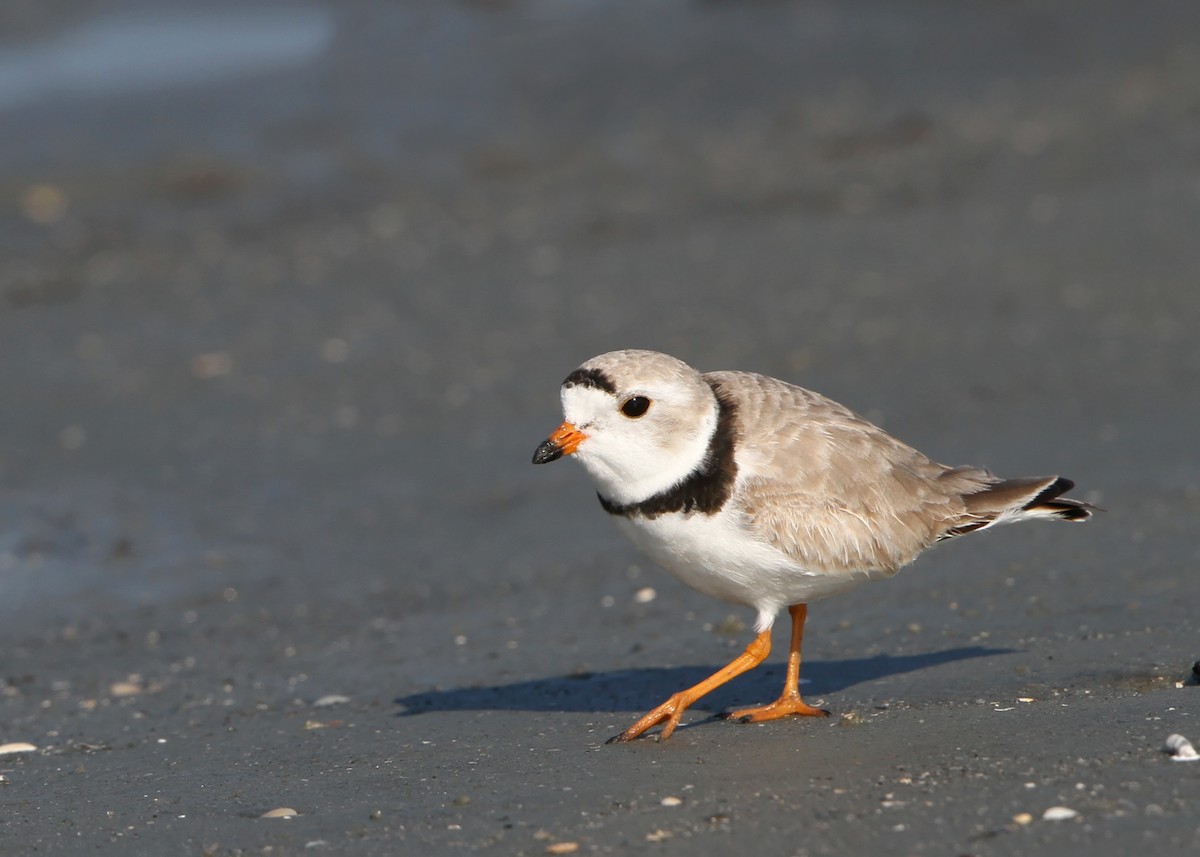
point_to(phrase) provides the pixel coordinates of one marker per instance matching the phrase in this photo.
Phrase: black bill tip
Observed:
(547, 452)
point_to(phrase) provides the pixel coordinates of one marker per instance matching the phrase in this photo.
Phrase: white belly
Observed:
(713, 555)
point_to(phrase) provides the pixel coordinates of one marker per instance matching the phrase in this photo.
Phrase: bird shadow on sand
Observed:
(634, 689)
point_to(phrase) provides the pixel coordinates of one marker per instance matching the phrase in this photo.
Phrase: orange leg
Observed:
(789, 701)
(670, 711)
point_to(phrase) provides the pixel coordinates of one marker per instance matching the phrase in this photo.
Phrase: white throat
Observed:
(627, 472)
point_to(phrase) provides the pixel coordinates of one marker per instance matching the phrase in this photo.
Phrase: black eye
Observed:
(635, 406)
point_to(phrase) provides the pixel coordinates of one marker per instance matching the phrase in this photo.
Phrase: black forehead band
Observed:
(591, 378)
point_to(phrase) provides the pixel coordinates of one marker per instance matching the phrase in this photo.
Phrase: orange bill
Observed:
(563, 441)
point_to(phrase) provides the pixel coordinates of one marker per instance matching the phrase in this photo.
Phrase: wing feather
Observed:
(832, 490)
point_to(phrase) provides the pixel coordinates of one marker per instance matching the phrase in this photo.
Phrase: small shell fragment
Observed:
(16, 747)
(851, 718)
(1023, 818)
(280, 812)
(645, 595)
(562, 848)
(1059, 813)
(671, 800)
(1180, 748)
(331, 699)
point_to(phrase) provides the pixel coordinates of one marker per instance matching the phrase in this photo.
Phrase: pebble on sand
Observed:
(1059, 813)
(280, 812)
(16, 747)
(1180, 748)
(671, 800)
(562, 848)
(1023, 818)
(851, 718)
(330, 699)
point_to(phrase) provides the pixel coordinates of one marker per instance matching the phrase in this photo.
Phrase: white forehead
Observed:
(581, 404)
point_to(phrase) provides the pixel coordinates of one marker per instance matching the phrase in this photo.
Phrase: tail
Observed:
(1011, 500)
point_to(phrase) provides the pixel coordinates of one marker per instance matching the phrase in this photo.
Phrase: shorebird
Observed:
(761, 493)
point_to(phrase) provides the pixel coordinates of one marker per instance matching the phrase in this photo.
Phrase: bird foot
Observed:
(668, 714)
(785, 706)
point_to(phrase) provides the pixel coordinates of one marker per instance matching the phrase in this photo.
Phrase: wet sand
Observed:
(277, 340)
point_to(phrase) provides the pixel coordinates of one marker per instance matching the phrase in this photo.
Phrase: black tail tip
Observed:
(1050, 500)
(1069, 510)
(1061, 485)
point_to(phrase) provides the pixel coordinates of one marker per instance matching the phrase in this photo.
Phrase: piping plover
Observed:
(761, 493)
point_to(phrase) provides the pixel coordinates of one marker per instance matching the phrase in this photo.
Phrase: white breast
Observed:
(714, 555)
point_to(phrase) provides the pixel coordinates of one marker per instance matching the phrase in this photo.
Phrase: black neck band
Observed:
(705, 489)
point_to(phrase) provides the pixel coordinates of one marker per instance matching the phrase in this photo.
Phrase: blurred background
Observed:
(287, 291)
(301, 279)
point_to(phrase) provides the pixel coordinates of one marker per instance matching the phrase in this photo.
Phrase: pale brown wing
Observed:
(832, 490)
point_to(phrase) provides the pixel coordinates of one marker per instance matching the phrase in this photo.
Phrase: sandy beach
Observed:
(286, 296)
